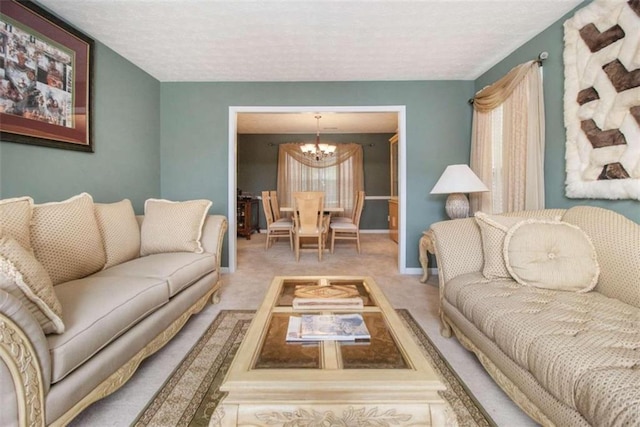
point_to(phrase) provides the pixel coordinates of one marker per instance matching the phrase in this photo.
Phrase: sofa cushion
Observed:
(25, 278)
(559, 337)
(178, 269)
(15, 219)
(97, 310)
(551, 255)
(493, 229)
(616, 239)
(66, 239)
(172, 226)
(120, 231)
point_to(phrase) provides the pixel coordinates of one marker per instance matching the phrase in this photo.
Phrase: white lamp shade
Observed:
(458, 179)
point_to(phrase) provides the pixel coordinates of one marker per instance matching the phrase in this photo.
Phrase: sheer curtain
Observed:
(340, 176)
(507, 145)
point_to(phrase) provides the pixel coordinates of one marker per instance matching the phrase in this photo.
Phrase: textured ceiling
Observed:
(313, 40)
(330, 122)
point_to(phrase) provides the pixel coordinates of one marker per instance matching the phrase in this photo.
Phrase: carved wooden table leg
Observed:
(426, 245)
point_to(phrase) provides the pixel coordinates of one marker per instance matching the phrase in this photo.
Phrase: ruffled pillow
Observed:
(551, 255)
(15, 219)
(493, 229)
(25, 278)
(172, 226)
(66, 239)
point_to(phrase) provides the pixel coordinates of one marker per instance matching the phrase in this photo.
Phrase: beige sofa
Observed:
(102, 307)
(566, 357)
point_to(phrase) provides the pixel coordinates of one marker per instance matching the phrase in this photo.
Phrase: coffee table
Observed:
(383, 382)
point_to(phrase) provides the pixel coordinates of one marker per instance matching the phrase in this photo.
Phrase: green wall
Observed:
(551, 40)
(194, 135)
(126, 162)
(258, 168)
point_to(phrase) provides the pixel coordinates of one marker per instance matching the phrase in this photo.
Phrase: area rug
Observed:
(191, 394)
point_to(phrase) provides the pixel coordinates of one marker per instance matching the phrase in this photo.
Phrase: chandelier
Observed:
(318, 151)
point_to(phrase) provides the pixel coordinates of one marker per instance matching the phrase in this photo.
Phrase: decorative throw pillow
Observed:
(120, 231)
(66, 239)
(551, 255)
(15, 218)
(172, 226)
(493, 229)
(25, 278)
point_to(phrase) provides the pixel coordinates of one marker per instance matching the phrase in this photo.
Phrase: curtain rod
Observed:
(541, 57)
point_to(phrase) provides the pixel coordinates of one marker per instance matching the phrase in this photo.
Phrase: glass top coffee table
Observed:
(382, 381)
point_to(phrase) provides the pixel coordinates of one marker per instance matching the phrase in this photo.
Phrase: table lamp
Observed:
(455, 181)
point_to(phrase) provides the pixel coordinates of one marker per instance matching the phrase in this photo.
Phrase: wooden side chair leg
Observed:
(333, 239)
(358, 241)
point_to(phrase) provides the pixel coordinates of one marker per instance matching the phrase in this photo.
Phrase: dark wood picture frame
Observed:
(46, 79)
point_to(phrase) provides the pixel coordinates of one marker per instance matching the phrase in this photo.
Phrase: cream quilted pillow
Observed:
(25, 278)
(120, 231)
(15, 217)
(172, 226)
(66, 239)
(493, 229)
(551, 255)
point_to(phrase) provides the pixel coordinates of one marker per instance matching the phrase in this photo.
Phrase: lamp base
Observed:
(457, 206)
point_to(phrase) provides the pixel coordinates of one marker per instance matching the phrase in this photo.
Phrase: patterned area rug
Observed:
(190, 396)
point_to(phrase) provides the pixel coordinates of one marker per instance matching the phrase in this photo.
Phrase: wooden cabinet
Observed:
(393, 202)
(248, 217)
(393, 165)
(393, 220)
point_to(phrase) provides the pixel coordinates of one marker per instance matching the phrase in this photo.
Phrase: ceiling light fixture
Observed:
(318, 151)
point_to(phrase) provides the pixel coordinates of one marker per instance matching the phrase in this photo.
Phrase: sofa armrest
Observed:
(458, 246)
(25, 365)
(213, 231)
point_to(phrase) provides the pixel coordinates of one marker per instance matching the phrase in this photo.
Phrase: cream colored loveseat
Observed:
(76, 322)
(566, 358)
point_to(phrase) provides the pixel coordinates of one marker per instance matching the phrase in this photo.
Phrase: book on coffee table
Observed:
(328, 303)
(330, 291)
(324, 327)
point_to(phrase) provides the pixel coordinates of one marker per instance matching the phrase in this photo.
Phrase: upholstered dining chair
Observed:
(275, 229)
(349, 230)
(351, 218)
(308, 220)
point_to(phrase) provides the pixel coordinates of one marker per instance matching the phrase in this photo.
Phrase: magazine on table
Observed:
(321, 327)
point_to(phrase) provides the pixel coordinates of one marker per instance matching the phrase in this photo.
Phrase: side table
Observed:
(426, 245)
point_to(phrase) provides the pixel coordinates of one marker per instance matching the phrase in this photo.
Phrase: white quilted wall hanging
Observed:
(602, 100)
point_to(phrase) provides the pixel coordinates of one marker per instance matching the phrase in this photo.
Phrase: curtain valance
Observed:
(496, 94)
(343, 152)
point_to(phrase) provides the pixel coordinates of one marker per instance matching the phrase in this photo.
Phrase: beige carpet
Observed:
(191, 394)
(245, 290)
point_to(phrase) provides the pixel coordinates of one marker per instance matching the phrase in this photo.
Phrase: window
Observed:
(340, 176)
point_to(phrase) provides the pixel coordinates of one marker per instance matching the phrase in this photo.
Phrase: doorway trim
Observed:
(233, 166)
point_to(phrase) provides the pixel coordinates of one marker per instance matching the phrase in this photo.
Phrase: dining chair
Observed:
(309, 220)
(352, 218)
(275, 207)
(349, 230)
(275, 229)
